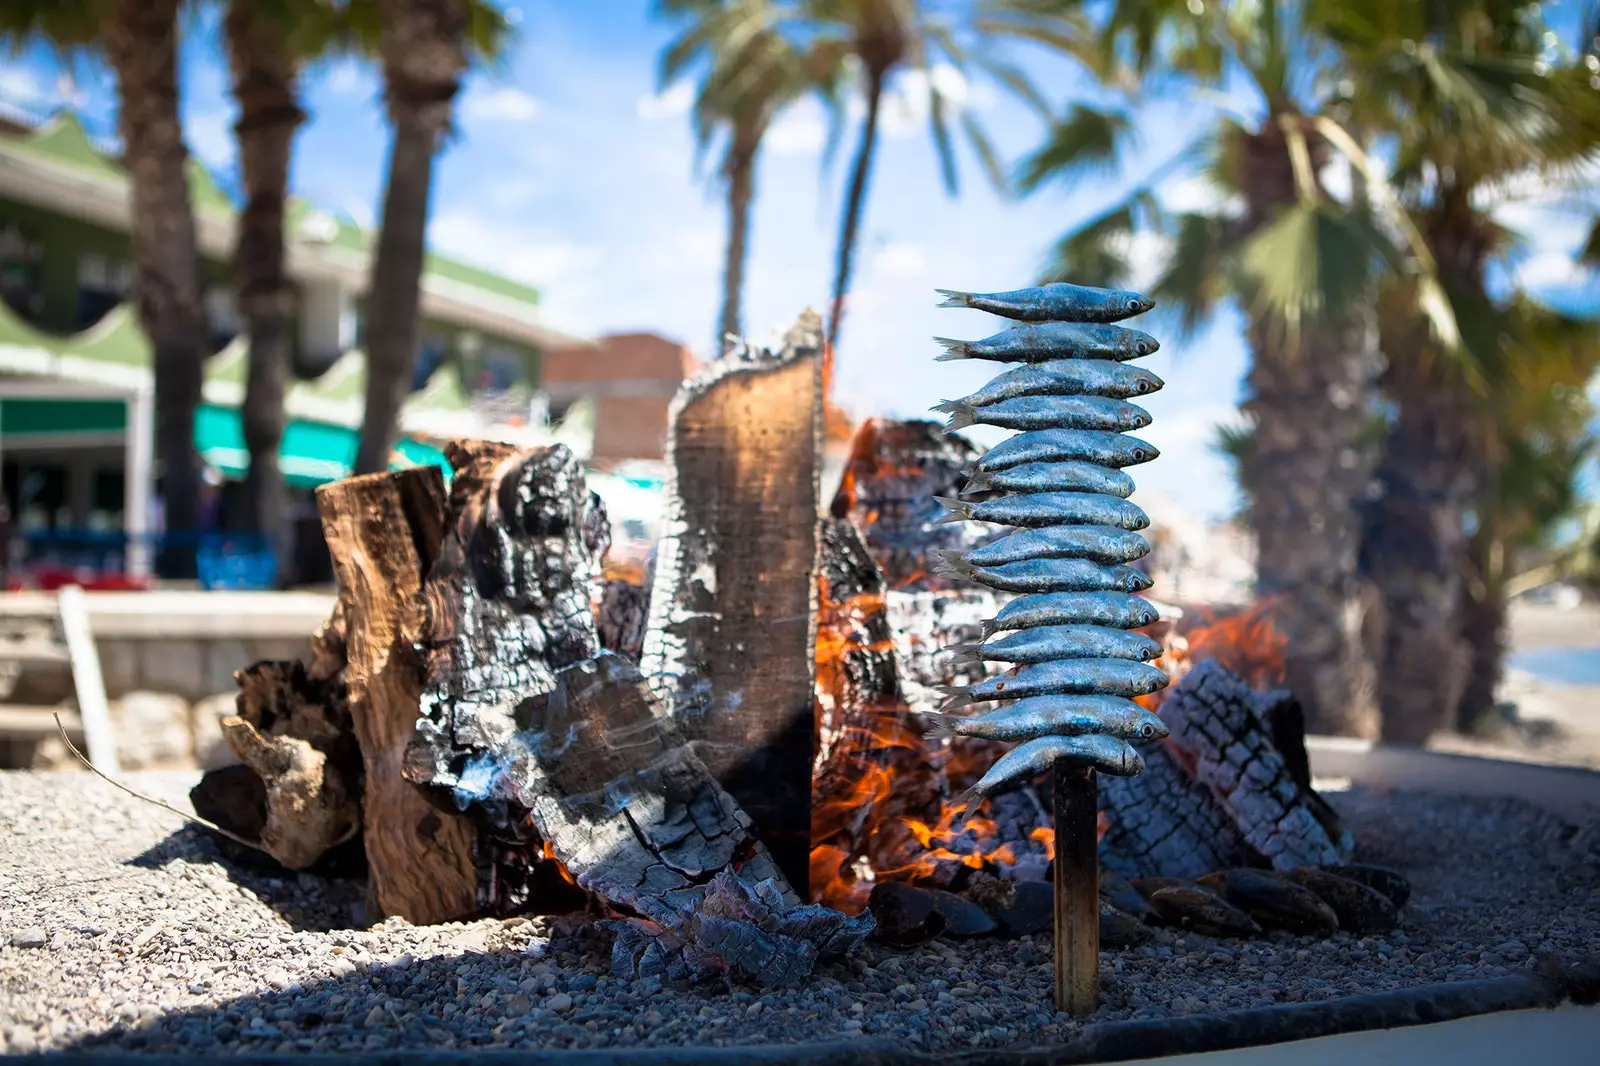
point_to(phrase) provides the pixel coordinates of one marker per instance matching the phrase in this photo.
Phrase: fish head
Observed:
(1143, 453)
(1135, 342)
(1130, 579)
(1130, 303)
(1148, 726)
(1144, 383)
(1132, 761)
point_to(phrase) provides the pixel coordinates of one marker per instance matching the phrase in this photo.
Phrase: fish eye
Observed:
(1143, 386)
(1133, 304)
(1147, 731)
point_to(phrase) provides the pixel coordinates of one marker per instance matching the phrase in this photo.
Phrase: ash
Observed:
(116, 932)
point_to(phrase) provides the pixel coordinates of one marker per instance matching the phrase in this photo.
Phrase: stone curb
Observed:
(1551, 986)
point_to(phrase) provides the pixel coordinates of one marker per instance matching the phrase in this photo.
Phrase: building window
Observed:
(502, 368)
(20, 256)
(103, 283)
(222, 316)
(432, 353)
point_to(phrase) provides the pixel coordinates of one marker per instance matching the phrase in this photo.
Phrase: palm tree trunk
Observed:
(855, 201)
(1417, 546)
(1483, 629)
(141, 41)
(264, 85)
(424, 54)
(1310, 401)
(1309, 472)
(740, 168)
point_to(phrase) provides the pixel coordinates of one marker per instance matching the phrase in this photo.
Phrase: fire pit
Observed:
(594, 818)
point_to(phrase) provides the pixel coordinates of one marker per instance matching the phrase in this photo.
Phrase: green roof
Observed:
(63, 141)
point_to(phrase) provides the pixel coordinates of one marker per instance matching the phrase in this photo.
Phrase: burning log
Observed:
(1165, 823)
(622, 616)
(384, 532)
(887, 491)
(729, 646)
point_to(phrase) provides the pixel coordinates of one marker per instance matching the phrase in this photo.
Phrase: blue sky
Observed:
(572, 171)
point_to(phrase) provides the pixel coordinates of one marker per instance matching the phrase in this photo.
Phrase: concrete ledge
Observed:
(1571, 792)
(187, 614)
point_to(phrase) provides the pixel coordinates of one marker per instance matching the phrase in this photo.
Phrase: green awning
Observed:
(312, 453)
(47, 417)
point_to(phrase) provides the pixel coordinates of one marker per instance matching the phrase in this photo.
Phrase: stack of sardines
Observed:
(1075, 668)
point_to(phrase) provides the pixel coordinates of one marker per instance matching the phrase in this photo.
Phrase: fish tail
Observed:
(956, 566)
(965, 654)
(978, 482)
(962, 415)
(940, 727)
(957, 699)
(945, 407)
(960, 510)
(952, 298)
(968, 802)
(953, 349)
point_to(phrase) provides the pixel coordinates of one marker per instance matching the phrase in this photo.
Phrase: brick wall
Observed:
(632, 378)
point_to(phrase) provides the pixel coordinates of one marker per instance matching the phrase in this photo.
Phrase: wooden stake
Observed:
(1077, 889)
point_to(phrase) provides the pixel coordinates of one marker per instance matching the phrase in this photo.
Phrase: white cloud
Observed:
(513, 250)
(900, 261)
(1550, 270)
(349, 77)
(503, 103)
(801, 130)
(19, 87)
(211, 136)
(674, 102)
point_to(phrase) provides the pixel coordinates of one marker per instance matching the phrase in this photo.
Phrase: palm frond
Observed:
(1313, 261)
(1086, 140)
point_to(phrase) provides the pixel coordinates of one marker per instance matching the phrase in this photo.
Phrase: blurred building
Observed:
(75, 368)
(630, 378)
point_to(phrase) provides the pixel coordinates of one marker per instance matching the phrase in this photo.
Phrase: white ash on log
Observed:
(729, 648)
(1217, 793)
(506, 605)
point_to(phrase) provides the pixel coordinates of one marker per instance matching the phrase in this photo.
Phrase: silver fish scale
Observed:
(1065, 424)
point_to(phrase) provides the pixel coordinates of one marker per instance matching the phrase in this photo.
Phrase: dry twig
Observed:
(164, 806)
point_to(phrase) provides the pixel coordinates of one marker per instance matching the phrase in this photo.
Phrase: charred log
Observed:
(894, 472)
(729, 647)
(505, 606)
(622, 616)
(383, 532)
(1164, 822)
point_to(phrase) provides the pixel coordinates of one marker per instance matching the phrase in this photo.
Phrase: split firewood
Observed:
(1164, 823)
(383, 531)
(729, 646)
(310, 806)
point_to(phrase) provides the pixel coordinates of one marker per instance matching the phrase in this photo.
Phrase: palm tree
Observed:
(1540, 416)
(1478, 104)
(886, 38)
(425, 47)
(752, 72)
(1301, 264)
(139, 39)
(267, 41)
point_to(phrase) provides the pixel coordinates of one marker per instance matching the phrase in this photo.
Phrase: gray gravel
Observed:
(117, 930)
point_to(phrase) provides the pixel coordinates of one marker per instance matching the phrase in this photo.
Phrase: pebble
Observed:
(245, 960)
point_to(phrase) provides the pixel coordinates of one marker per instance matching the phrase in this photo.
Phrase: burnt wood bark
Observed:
(623, 614)
(505, 606)
(1219, 792)
(383, 531)
(623, 800)
(730, 644)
